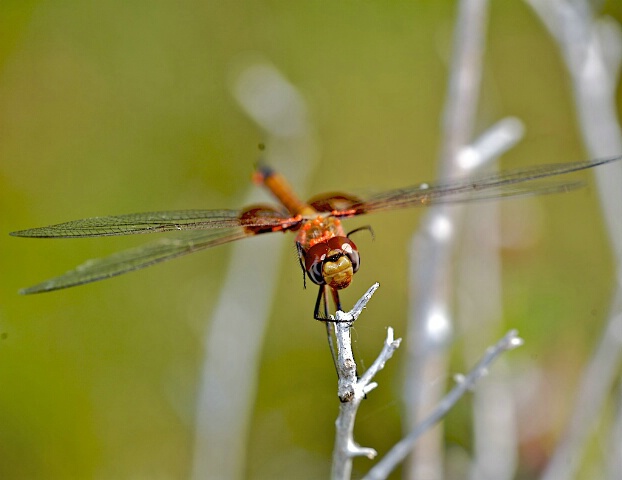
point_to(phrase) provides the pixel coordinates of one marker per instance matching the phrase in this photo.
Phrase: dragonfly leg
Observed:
(322, 301)
(331, 346)
(336, 299)
(321, 298)
(301, 255)
(364, 227)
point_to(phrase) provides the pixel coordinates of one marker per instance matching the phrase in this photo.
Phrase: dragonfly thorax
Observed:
(319, 229)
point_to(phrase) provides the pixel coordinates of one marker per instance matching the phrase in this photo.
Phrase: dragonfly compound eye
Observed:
(314, 261)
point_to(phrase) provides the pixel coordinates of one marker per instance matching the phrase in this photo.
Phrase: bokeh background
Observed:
(118, 107)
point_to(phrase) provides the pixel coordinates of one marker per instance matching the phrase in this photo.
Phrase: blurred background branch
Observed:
(234, 341)
(592, 50)
(430, 329)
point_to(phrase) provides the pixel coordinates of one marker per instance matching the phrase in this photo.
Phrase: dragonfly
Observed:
(327, 255)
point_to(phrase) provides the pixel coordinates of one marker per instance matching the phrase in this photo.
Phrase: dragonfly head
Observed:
(332, 262)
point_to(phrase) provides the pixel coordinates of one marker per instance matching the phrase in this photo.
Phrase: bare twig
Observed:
(352, 390)
(399, 452)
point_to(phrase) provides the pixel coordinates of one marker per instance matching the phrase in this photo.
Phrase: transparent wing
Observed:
(152, 222)
(524, 181)
(139, 257)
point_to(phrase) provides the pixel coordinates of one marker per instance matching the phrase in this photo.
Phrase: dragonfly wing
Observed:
(139, 257)
(518, 182)
(152, 222)
(489, 193)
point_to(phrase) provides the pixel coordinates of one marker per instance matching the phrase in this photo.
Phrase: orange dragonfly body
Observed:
(327, 255)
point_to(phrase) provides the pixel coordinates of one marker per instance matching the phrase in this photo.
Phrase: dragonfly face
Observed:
(332, 262)
(327, 255)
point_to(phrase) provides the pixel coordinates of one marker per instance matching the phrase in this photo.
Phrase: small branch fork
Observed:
(351, 389)
(464, 383)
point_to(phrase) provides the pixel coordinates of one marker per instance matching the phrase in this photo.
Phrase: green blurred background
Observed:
(118, 107)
